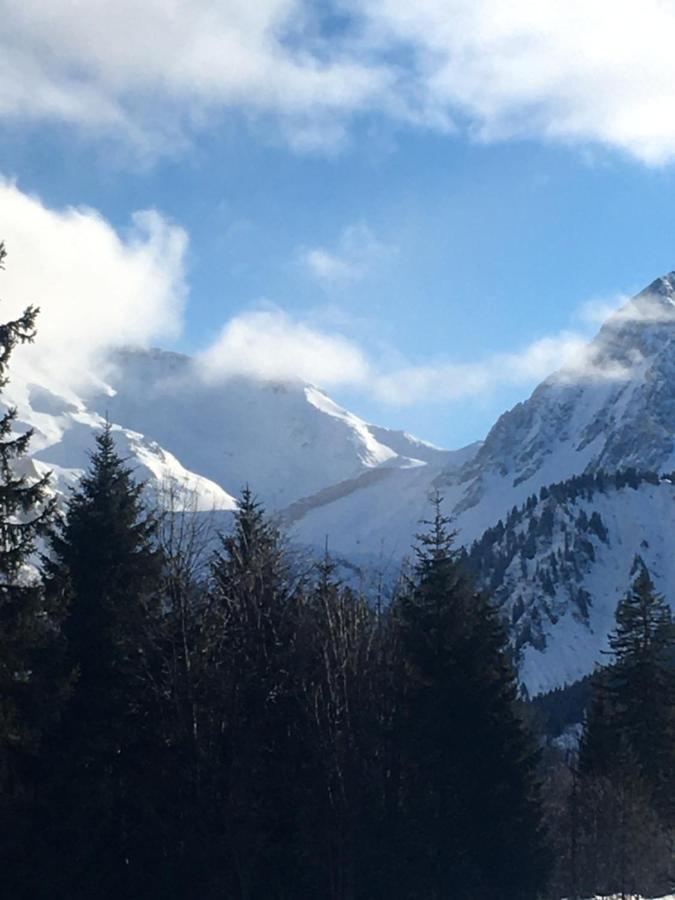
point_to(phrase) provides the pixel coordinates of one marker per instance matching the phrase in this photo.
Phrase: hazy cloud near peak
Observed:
(96, 289)
(99, 289)
(270, 345)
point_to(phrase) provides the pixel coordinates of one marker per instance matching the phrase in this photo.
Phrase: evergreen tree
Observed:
(469, 804)
(253, 706)
(27, 623)
(103, 559)
(24, 514)
(345, 704)
(641, 685)
(30, 686)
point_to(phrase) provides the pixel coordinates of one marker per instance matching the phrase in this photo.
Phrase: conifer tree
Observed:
(103, 558)
(469, 802)
(31, 683)
(104, 554)
(253, 701)
(344, 698)
(27, 622)
(639, 689)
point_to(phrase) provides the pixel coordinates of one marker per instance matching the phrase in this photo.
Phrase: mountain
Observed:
(288, 440)
(613, 411)
(558, 565)
(329, 474)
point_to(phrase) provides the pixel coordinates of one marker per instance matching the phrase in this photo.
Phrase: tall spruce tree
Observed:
(254, 706)
(638, 702)
(104, 559)
(344, 703)
(27, 622)
(31, 686)
(469, 801)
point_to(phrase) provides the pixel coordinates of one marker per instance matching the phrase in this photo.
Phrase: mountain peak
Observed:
(657, 299)
(663, 287)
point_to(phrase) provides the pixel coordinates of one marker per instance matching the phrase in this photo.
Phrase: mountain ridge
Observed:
(329, 474)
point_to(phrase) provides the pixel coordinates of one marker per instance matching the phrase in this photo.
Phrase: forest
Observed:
(190, 717)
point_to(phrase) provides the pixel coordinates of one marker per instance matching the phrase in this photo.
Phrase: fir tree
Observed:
(26, 622)
(103, 558)
(641, 684)
(30, 684)
(469, 799)
(253, 703)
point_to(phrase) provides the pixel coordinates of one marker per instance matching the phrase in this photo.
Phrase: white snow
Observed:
(328, 473)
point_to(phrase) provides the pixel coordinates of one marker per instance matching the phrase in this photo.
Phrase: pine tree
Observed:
(641, 685)
(253, 704)
(343, 693)
(626, 753)
(103, 558)
(469, 804)
(27, 624)
(31, 686)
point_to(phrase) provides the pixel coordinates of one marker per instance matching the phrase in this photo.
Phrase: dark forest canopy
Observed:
(236, 730)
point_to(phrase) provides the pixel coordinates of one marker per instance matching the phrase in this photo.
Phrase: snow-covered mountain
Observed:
(558, 565)
(328, 473)
(614, 409)
(287, 440)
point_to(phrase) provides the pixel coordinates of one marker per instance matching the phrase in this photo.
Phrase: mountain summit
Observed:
(326, 472)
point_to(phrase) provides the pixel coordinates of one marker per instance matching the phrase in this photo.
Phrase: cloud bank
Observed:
(270, 345)
(580, 72)
(99, 289)
(96, 288)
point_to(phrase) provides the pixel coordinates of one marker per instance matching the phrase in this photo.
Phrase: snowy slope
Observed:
(287, 440)
(365, 488)
(614, 410)
(559, 565)
(63, 435)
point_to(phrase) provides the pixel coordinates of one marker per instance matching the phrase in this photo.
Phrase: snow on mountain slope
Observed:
(366, 488)
(287, 440)
(559, 565)
(615, 409)
(63, 435)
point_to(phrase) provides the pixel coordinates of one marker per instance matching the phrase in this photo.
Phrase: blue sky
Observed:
(362, 201)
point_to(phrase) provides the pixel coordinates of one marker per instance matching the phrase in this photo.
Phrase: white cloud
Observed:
(583, 72)
(624, 309)
(568, 353)
(268, 344)
(99, 289)
(132, 66)
(95, 288)
(356, 253)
